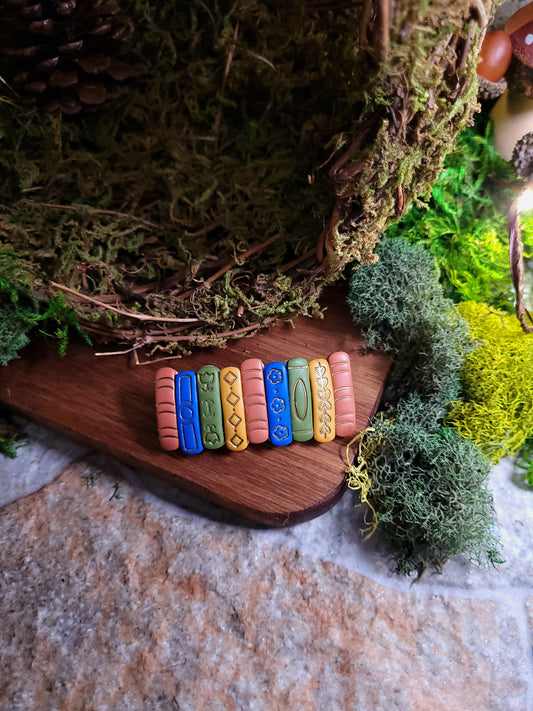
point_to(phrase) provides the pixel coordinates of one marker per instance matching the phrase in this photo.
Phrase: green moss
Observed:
(225, 141)
(524, 461)
(426, 486)
(429, 489)
(11, 436)
(22, 316)
(187, 149)
(464, 223)
(17, 308)
(13, 333)
(497, 410)
(400, 304)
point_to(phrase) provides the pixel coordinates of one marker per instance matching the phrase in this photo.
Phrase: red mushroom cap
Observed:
(519, 18)
(522, 41)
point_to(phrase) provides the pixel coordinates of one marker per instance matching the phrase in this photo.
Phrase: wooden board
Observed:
(108, 403)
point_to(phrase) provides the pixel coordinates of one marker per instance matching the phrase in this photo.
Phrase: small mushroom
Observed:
(522, 42)
(519, 27)
(519, 18)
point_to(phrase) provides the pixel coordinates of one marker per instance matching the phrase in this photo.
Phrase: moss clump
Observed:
(497, 410)
(22, 316)
(426, 486)
(18, 309)
(429, 489)
(262, 147)
(400, 304)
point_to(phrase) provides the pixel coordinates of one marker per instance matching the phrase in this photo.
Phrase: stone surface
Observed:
(336, 536)
(112, 599)
(40, 458)
(529, 608)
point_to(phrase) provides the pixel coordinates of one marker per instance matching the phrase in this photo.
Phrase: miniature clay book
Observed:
(280, 402)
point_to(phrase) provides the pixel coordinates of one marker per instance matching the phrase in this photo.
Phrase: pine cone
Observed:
(522, 157)
(62, 55)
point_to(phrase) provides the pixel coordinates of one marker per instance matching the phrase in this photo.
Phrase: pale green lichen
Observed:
(425, 485)
(429, 489)
(399, 302)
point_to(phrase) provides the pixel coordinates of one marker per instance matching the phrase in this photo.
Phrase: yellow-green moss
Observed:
(497, 411)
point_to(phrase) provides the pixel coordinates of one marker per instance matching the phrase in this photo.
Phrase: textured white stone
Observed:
(110, 600)
(41, 456)
(332, 538)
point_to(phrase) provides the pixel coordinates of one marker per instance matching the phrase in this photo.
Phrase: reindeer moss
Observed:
(429, 489)
(425, 485)
(400, 304)
(460, 395)
(497, 410)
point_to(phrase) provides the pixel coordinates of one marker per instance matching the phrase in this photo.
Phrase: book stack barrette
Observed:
(255, 403)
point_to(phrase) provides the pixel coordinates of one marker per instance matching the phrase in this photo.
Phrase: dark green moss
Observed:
(400, 304)
(218, 160)
(429, 489)
(426, 484)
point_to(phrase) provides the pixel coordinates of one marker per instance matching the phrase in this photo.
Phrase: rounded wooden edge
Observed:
(319, 508)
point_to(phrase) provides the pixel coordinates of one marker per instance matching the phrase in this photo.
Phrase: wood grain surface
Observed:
(109, 403)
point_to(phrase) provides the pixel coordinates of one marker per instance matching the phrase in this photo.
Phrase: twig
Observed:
(125, 352)
(384, 29)
(242, 257)
(155, 360)
(302, 258)
(207, 336)
(482, 12)
(95, 211)
(326, 236)
(363, 24)
(147, 340)
(229, 60)
(337, 170)
(205, 230)
(516, 258)
(331, 5)
(127, 314)
(466, 47)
